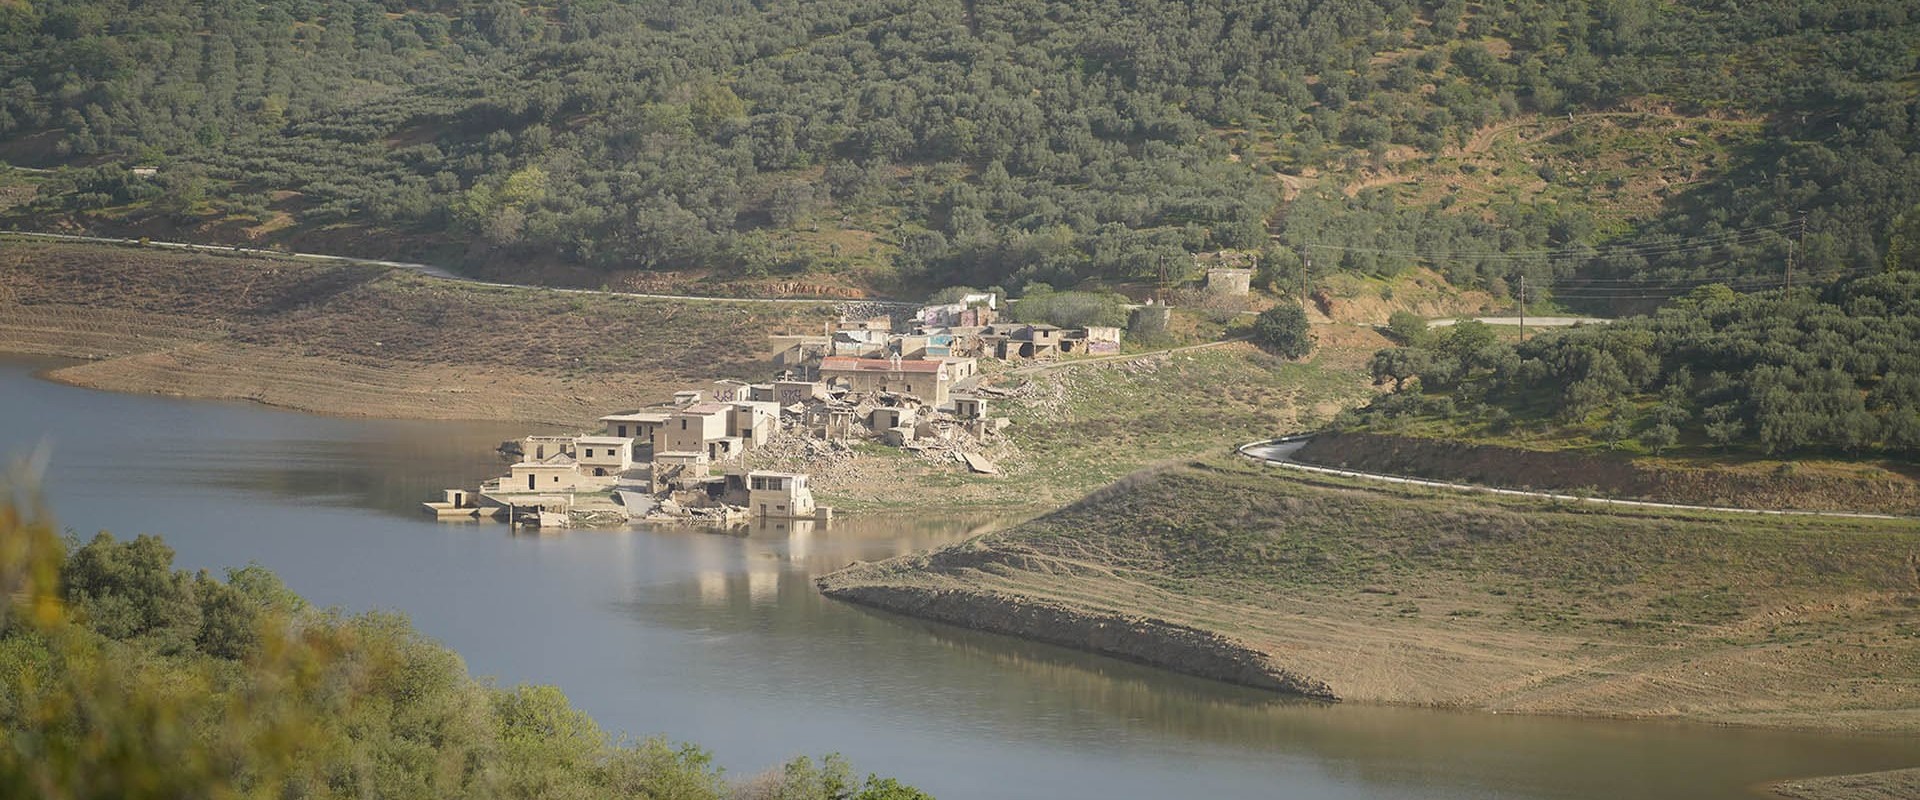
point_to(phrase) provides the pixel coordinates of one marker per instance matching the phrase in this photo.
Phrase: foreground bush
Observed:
(121, 677)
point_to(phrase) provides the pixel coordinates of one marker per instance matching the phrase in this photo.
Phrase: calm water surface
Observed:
(721, 639)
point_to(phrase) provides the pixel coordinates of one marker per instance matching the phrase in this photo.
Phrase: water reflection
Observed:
(721, 638)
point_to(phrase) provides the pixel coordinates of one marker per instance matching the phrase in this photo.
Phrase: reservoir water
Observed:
(721, 639)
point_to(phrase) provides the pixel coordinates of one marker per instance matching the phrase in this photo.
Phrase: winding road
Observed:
(1531, 322)
(1279, 453)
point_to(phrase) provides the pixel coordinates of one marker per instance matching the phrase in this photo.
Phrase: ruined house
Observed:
(604, 456)
(886, 417)
(1229, 281)
(1008, 342)
(799, 356)
(700, 428)
(540, 448)
(928, 380)
(786, 393)
(972, 311)
(556, 473)
(967, 407)
(672, 466)
(753, 423)
(727, 390)
(643, 427)
(1093, 339)
(779, 494)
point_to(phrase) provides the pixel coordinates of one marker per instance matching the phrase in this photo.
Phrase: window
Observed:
(589, 452)
(623, 430)
(683, 424)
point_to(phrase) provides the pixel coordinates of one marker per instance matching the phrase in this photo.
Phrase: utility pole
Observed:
(1523, 306)
(1306, 271)
(1793, 248)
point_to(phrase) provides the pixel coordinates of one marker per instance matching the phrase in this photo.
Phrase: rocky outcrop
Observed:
(1144, 640)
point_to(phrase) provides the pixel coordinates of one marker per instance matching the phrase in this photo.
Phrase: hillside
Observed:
(1779, 374)
(1336, 589)
(887, 146)
(367, 341)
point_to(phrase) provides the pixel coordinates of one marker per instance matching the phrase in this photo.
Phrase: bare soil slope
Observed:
(1450, 601)
(365, 341)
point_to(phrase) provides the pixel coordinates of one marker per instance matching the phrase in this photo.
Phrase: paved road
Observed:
(1279, 453)
(424, 269)
(1532, 322)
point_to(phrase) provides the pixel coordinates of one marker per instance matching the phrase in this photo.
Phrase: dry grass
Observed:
(1449, 601)
(366, 341)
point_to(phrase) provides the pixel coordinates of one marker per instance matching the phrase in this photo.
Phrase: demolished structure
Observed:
(684, 460)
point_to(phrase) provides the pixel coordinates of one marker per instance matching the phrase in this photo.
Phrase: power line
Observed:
(1756, 234)
(1656, 291)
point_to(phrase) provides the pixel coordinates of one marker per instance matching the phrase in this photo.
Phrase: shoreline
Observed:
(1011, 616)
(1125, 574)
(366, 340)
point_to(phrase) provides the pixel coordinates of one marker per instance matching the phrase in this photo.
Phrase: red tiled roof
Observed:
(849, 364)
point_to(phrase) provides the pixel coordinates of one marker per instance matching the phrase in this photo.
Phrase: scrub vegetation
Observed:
(1803, 372)
(123, 677)
(877, 144)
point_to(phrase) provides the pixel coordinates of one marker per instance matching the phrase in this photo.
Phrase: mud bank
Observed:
(353, 340)
(1350, 591)
(1143, 640)
(1811, 486)
(1899, 784)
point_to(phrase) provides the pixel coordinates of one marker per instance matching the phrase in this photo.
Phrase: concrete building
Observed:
(541, 448)
(557, 473)
(1229, 281)
(698, 428)
(754, 423)
(891, 417)
(643, 427)
(604, 456)
(779, 494)
(972, 310)
(967, 406)
(669, 465)
(1022, 341)
(1102, 339)
(799, 356)
(927, 380)
(727, 390)
(881, 324)
(786, 393)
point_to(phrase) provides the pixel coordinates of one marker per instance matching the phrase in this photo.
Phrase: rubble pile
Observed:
(791, 450)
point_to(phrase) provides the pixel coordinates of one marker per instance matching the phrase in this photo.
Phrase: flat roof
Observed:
(850, 364)
(704, 409)
(604, 440)
(547, 464)
(638, 416)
